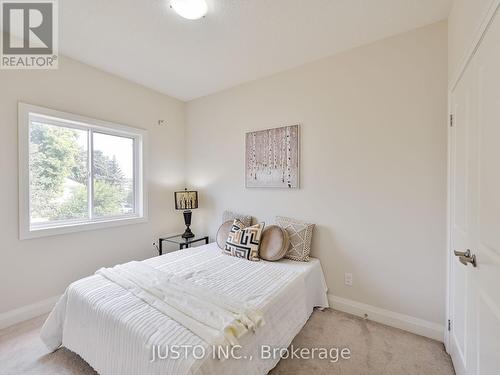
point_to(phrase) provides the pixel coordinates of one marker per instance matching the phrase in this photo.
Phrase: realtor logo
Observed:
(29, 34)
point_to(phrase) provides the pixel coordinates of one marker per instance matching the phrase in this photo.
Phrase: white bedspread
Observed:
(215, 317)
(115, 331)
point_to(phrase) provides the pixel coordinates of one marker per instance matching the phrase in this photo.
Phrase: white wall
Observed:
(373, 165)
(465, 19)
(34, 270)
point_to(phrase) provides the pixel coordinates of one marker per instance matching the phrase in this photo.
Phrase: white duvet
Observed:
(116, 328)
(216, 318)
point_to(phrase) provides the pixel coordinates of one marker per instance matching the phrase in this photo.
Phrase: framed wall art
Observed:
(272, 158)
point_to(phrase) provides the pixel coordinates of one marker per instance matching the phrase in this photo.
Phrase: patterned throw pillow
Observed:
(244, 242)
(300, 235)
(229, 215)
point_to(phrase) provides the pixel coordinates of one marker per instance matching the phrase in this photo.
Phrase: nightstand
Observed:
(183, 243)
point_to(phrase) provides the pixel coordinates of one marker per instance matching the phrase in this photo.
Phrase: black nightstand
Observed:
(182, 242)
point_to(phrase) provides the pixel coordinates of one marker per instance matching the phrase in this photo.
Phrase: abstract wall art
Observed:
(272, 158)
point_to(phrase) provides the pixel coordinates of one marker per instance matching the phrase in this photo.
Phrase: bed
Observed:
(116, 332)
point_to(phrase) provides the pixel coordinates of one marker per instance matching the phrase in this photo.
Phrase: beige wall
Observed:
(35, 270)
(372, 169)
(373, 165)
(465, 19)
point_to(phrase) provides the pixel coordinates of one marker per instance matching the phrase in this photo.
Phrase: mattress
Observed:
(118, 333)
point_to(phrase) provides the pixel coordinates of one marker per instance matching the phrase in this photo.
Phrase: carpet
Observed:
(375, 349)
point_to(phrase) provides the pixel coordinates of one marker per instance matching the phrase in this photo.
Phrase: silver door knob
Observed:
(465, 257)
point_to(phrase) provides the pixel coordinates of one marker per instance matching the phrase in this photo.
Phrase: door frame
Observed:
(468, 56)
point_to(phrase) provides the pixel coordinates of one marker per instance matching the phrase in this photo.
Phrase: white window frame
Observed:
(140, 136)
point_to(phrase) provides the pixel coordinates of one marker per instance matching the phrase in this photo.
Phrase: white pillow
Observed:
(230, 216)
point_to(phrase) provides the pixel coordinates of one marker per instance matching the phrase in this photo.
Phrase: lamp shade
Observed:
(186, 200)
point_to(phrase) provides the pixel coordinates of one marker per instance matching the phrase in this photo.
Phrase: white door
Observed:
(459, 223)
(474, 340)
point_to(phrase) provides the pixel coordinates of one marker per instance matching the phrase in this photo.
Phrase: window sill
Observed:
(80, 227)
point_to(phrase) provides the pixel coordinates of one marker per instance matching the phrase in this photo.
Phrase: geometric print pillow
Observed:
(300, 235)
(244, 242)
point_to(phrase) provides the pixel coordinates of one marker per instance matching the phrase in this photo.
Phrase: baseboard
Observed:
(405, 322)
(9, 318)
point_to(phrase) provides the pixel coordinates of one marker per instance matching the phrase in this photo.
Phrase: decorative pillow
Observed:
(274, 243)
(244, 242)
(300, 235)
(223, 233)
(229, 215)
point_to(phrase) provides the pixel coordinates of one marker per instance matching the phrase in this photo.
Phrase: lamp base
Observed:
(188, 234)
(187, 221)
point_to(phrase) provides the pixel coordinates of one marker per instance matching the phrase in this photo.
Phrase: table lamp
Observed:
(186, 201)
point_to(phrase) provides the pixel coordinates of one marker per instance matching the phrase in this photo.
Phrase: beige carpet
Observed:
(375, 349)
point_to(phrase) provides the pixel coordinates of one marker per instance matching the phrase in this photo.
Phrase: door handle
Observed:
(465, 257)
(462, 253)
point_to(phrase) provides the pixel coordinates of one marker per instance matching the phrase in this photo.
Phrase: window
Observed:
(77, 173)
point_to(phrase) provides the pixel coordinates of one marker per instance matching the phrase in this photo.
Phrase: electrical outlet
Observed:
(348, 279)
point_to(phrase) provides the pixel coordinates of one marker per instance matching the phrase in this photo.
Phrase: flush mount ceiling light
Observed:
(190, 9)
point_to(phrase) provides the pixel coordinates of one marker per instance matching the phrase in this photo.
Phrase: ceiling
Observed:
(239, 40)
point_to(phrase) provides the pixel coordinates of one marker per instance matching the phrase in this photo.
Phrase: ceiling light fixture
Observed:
(190, 9)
